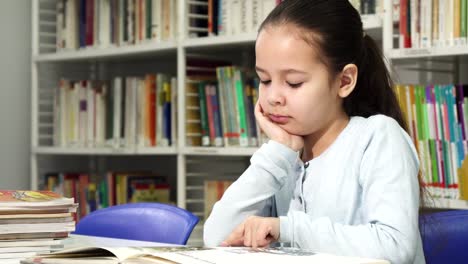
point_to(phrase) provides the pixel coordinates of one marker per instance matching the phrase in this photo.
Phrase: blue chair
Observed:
(154, 222)
(445, 236)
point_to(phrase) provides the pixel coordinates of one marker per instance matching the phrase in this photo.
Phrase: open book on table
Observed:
(192, 255)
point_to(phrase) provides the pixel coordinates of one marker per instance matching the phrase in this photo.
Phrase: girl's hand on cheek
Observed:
(275, 132)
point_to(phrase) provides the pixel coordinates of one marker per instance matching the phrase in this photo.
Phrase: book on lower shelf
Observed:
(192, 255)
(213, 191)
(32, 222)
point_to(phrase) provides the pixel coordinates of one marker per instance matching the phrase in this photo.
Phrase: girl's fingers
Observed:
(236, 238)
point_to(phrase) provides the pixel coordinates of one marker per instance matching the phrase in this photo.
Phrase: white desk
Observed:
(224, 256)
(80, 240)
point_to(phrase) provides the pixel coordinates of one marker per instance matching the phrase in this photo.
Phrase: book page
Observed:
(249, 255)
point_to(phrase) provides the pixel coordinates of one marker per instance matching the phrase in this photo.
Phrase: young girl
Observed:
(339, 174)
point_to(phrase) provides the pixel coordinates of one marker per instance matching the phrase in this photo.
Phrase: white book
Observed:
(31, 243)
(83, 114)
(100, 135)
(256, 15)
(426, 23)
(117, 108)
(235, 17)
(104, 23)
(130, 109)
(91, 114)
(73, 110)
(414, 16)
(246, 16)
(173, 20)
(133, 110)
(173, 111)
(140, 110)
(449, 23)
(71, 25)
(156, 22)
(23, 249)
(35, 228)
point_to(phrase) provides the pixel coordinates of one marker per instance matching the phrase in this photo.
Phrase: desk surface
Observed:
(81, 240)
(224, 255)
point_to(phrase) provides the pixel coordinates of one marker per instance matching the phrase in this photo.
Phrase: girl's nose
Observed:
(275, 95)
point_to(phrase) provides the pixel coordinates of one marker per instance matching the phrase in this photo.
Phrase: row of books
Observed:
(33, 222)
(227, 17)
(437, 117)
(220, 111)
(124, 112)
(96, 191)
(433, 23)
(104, 23)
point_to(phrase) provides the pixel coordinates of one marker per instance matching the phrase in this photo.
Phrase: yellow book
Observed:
(463, 180)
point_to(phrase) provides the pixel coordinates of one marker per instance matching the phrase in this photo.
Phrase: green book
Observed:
(244, 138)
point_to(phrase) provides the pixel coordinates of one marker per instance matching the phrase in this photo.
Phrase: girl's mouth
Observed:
(279, 119)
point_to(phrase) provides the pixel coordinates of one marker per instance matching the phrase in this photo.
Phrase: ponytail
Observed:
(373, 93)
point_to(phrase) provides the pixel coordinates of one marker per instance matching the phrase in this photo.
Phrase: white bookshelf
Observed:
(434, 52)
(190, 164)
(94, 53)
(105, 151)
(442, 203)
(247, 38)
(208, 151)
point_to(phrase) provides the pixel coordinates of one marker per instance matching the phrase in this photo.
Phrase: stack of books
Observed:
(33, 222)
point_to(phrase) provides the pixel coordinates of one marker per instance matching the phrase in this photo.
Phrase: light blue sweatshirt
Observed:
(360, 197)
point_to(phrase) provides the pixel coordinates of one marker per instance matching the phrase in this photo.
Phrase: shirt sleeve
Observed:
(390, 197)
(251, 194)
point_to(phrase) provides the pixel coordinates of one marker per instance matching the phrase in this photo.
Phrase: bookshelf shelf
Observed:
(108, 53)
(429, 52)
(220, 41)
(230, 151)
(105, 151)
(442, 203)
(370, 23)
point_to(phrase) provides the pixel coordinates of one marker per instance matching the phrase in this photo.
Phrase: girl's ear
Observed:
(348, 80)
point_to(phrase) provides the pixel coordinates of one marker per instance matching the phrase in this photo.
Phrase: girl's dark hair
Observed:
(335, 28)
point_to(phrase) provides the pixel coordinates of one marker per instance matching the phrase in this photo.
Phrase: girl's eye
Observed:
(294, 85)
(265, 82)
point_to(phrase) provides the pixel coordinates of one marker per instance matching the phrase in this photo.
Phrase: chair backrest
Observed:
(154, 222)
(445, 236)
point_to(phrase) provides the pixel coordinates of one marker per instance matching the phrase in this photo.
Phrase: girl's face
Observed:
(296, 91)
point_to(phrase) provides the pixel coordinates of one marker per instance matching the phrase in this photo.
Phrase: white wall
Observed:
(15, 79)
